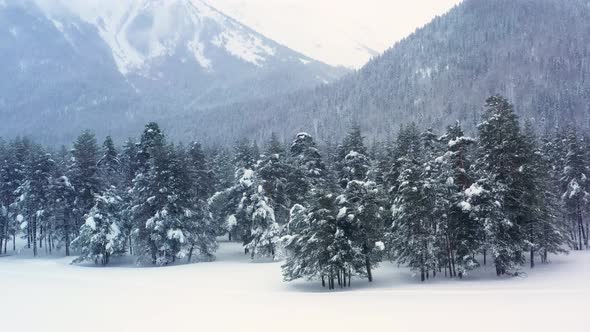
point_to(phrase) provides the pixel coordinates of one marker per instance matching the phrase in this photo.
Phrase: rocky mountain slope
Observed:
(534, 52)
(110, 64)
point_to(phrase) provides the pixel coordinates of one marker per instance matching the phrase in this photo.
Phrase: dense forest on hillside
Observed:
(534, 52)
(441, 203)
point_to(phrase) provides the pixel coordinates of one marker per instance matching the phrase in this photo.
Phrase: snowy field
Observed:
(234, 294)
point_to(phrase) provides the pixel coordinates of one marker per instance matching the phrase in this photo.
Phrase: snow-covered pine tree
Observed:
(308, 158)
(317, 248)
(353, 162)
(574, 183)
(556, 231)
(404, 144)
(222, 168)
(35, 195)
(273, 172)
(188, 202)
(361, 217)
(84, 173)
(299, 245)
(537, 202)
(147, 197)
(64, 197)
(436, 192)
(128, 168)
(484, 199)
(360, 214)
(129, 163)
(244, 155)
(194, 183)
(462, 235)
(202, 177)
(409, 238)
(100, 238)
(5, 196)
(499, 162)
(264, 229)
(109, 165)
(15, 170)
(163, 201)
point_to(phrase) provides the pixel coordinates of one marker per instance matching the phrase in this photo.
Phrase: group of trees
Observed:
(149, 199)
(436, 203)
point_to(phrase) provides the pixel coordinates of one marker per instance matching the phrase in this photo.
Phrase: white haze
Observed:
(338, 32)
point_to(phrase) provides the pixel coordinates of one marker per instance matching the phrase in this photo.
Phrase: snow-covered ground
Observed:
(234, 294)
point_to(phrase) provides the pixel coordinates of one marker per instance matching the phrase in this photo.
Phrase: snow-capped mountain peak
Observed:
(139, 60)
(140, 31)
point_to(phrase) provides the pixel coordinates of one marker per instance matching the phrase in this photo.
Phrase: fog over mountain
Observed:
(536, 53)
(339, 32)
(109, 65)
(112, 66)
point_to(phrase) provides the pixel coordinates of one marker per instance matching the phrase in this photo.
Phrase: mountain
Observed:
(110, 65)
(346, 33)
(534, 52)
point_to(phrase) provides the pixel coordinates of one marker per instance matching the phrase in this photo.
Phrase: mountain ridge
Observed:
(536, 53)
(98, 64)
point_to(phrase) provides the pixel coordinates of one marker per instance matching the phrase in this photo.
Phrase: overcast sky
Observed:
(335, 31)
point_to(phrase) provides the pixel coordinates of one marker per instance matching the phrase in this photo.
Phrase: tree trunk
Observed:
(349, 276)
(1, 236)
(130, 246)
(190, 254)
(532, 258)
(368, 265)
(67, 240)
(453, 263)
(34, 237)
(580, 226)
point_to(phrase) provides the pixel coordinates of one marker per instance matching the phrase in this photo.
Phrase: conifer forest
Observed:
(441, 204)
(294, 165)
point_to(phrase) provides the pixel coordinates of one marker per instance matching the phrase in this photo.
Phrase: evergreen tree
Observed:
(5, 197)
(274, 172)
(573, 185)
(500, 162)
(353, 163)
(109, 164)
(462, 235)
(545, 231)
(264, 232)
(222, 167)
(317, 248)
(84, 173)
(129, 162)
(147, 197)
(362, 219)
(100, 238)
(407, 143)
(308, 159)
(35, 195)
(244, 155)
(64, 197)
(411, 237)
(200, 174)
(408, 238)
